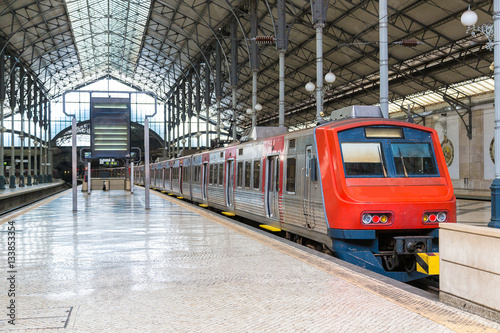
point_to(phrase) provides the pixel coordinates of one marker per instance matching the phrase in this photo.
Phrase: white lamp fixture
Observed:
(258, 107)
(249, 111)
(469, 18)
(310, 86)
(330, 77)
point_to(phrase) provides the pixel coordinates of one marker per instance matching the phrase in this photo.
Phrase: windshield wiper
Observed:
(403, 162)
(382, 161)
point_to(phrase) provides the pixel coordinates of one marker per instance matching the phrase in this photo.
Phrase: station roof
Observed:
(153, 45)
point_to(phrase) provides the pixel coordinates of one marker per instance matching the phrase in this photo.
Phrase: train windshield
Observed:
(413, 159)
(363, 159)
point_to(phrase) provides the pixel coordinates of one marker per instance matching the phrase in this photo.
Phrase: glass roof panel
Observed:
(108, 34)
(474, 87)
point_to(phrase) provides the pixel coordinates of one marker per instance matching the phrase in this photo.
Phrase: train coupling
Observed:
(411, 252)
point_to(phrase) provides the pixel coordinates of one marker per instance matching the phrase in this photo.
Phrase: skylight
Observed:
(108, 34)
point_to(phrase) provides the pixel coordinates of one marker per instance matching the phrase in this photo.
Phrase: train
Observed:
(367, 189)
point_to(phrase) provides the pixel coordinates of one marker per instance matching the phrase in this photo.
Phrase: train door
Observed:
(204, 180)
(272, 186)
(229, 182)
(308, 178)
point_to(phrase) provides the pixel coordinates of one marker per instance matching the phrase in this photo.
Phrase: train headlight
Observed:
(441, 217)
(376, 218)
(433, 217)
(367, 219)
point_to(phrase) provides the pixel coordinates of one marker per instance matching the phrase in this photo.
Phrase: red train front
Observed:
(385, 189)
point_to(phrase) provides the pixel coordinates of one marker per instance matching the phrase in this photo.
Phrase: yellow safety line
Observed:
(437, 312)
(12, 216)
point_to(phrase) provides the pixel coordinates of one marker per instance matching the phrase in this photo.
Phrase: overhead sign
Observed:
(110, 127)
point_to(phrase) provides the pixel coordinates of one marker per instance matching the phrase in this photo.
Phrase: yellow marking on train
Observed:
(268, 227)
(428, 263)
(180, 197)
(170, 193)
(163, 191)
(154, 188)
(228, 213)
(203, 205)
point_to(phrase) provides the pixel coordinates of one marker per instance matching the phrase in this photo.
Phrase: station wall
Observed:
(470, 161)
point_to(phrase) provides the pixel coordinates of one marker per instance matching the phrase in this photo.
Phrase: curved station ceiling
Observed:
(158, 45)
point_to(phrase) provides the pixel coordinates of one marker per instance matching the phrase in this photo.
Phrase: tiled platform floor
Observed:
(474, 212)
(114, 267)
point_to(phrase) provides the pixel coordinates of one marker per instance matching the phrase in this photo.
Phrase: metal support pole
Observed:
(12, 173)
(254, 97)
(132, 177)
(2, 131)
(319, 71)
(179, 118)
(169, 128)
(384, 59)
(190, 109)
(281, 45)
(234, 70)
(282, 89)
(234, 112)
(254, 55)
(50, 165)
(165, 130)
(207, 102)
(146, 163)
(74, 162)
(89, 177)
(2, 128)
(218, 85)
(35, 158)
(495, 186)
(21, 162)
(28, 177)
(197, 103)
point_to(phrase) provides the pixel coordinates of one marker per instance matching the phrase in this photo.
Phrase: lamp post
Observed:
(492, 32)
(311, 87)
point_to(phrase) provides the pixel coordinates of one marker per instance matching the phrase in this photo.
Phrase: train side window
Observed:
(248, 173)
(239, 180)
(256, 174)
(291, 174)
(211, 174)
(216, 173)
(221, 174)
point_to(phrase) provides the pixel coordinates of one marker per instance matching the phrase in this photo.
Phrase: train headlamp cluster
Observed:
(430, 217)
(369, 218)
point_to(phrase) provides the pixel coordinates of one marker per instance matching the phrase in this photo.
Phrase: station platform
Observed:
(472, 194)
(14, 197)
(115, 267)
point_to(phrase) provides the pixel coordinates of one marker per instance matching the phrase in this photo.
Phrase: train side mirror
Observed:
(314, 169)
